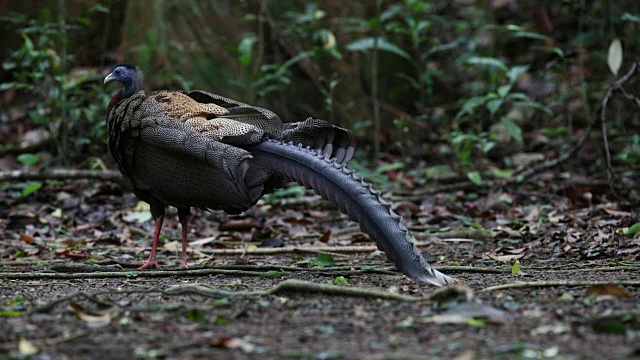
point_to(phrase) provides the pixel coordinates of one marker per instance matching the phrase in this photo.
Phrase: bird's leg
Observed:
(183, 215)
(152, 258)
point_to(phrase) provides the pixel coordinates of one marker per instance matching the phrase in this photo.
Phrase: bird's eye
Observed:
(118, 72)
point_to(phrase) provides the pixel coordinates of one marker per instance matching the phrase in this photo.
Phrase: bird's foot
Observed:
(147, 263)
(183, 264)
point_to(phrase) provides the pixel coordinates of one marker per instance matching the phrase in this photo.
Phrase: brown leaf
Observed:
(507, 255)
(238, 224)
(318, 214)
(172, 246)
(617, 213)
(95, 321)
(234, 343)
(607, 290)
(299, 221)
(26, 238)
(325, 236)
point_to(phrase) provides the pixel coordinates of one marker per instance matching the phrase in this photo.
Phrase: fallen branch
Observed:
(301, 249)
(125, 274)
(60, 174)
(297, 286)
(557, 283)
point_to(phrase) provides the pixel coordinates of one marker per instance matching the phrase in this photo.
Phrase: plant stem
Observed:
(374, 84)
(62, 96)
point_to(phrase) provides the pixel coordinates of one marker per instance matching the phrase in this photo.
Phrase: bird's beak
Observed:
(109, 78)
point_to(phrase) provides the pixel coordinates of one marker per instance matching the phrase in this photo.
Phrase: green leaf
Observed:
(404, 324)
(530, 35)
(503, 90)
(340, 280)
(221, 320)
(477, 322)
(245, 48)
(272, 274)
(632, 229)
(324, 260)
(28, 159)
(501, 173)
(389, 167)
(7, 85)
(383, 44)
(612, 325)
(195, 315)
(9, 313)
(614, 58)
(533, 105)
(99, 8)
(83, 20)
(28, 44)
(512, 128)
(515, 72)
(443, 47)
(493, 106)
(31, 188)
(630, 17)
(515, 269)
(469, 106)
(221, 302)
(475, 177)
(487, 62)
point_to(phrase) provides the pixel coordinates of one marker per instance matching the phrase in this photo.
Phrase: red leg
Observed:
(152, 258)
(184, 220)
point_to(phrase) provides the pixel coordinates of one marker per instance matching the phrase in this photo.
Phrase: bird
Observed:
(195, 149)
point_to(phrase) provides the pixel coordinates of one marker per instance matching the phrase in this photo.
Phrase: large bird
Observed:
(196, 149)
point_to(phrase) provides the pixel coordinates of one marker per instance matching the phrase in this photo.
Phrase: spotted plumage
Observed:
(197, 149)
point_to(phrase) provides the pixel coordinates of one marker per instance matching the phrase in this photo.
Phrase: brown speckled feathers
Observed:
(196, 149)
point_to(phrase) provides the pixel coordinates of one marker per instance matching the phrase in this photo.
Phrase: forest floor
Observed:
(295, 279)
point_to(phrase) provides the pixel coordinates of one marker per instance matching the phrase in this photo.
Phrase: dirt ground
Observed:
(261, 286)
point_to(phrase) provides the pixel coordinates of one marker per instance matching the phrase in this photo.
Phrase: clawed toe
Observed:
(147, 263)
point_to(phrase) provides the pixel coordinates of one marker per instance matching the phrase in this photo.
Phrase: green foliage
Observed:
(31, 188)
(272, 274)
(368, 44)
(71, 106)
(423, 70)
(465, 144)
(515, 269)
(28, 159)
(196, 315)
(322, 260)
(278, 76)
(631, 154)
(339, 280)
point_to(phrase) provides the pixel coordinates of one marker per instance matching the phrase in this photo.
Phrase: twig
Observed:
(296, 286)
(300, 249)
(92, 297)
(615, 86)
(125, 274)
(558, 283)
(60, 174)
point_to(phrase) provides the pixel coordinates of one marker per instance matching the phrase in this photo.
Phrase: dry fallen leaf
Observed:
(234, 343)
(26, 348)
(607, 291)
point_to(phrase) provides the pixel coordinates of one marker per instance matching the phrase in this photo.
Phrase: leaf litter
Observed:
(550, 236)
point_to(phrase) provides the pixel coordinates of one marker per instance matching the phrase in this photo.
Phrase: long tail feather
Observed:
(354, 196)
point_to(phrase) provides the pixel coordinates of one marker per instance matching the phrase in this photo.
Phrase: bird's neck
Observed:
(114, 100)
(132, 86)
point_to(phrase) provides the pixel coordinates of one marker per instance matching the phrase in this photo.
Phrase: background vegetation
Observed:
(481, 82)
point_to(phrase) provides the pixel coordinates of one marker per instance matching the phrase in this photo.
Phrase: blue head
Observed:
(130, 76)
